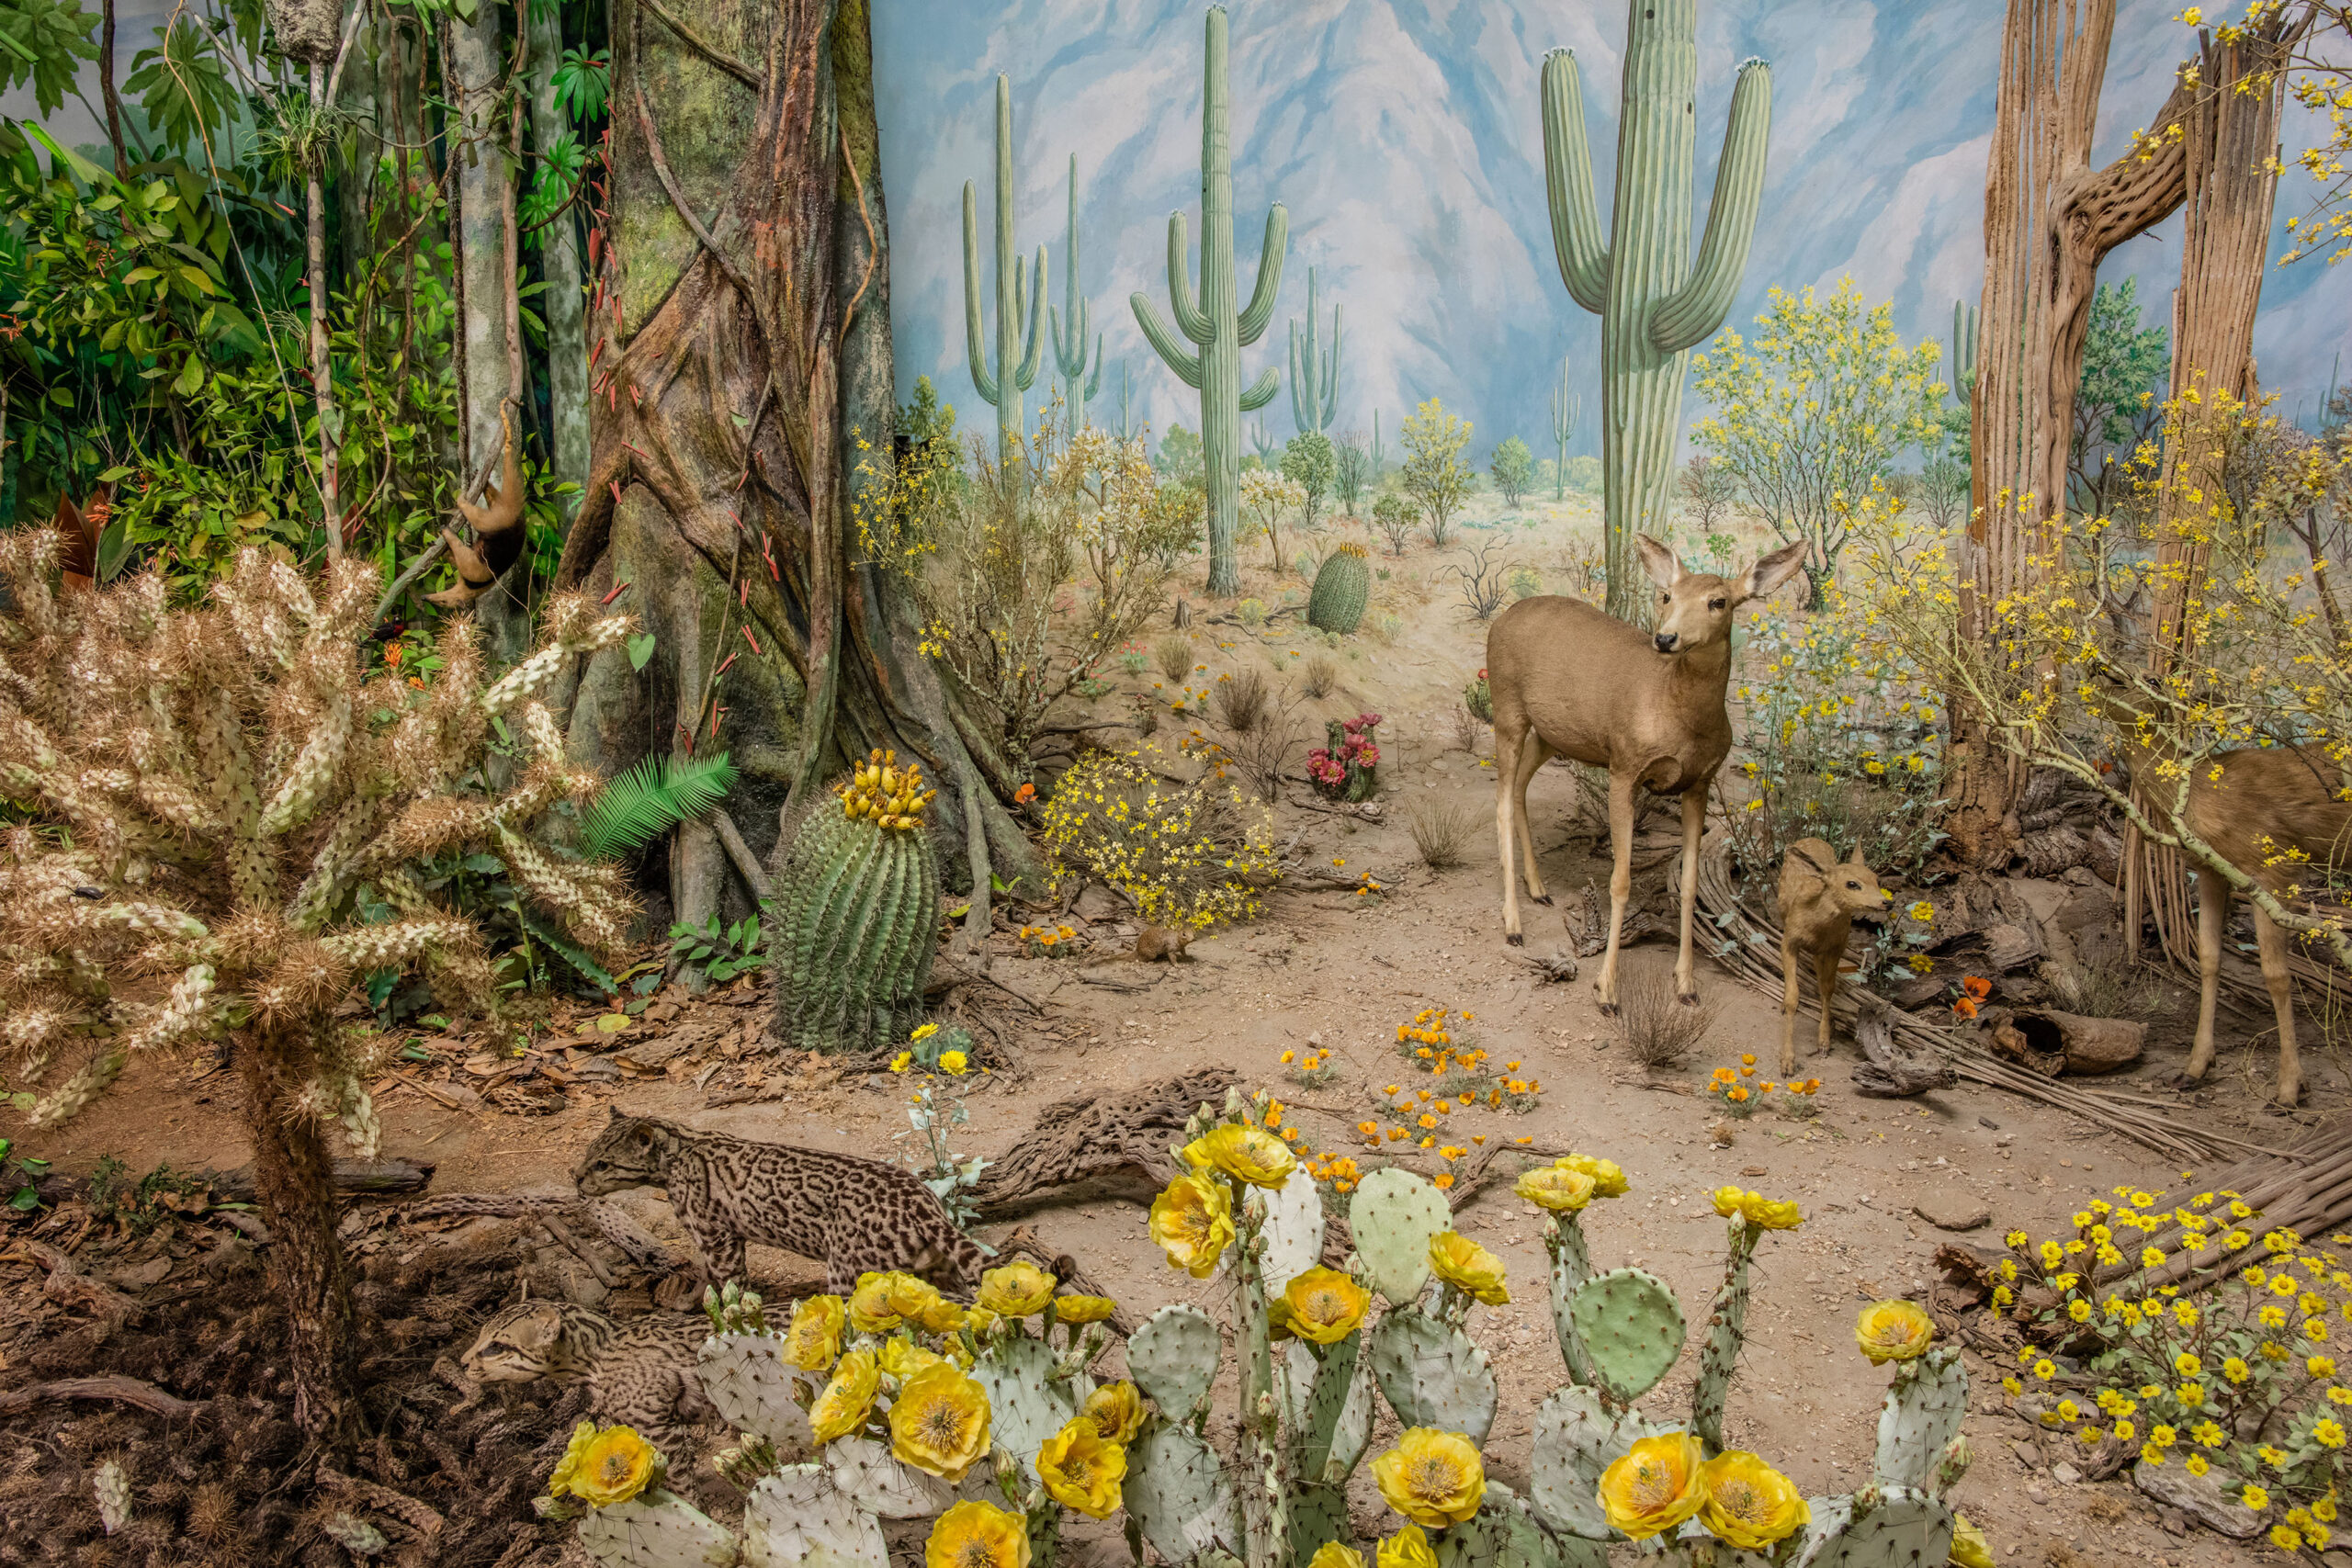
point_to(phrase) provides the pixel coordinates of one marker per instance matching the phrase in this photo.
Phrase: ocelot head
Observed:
(629, 1153)
(532, 1341)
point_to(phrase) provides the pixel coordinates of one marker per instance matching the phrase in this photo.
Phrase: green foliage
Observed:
(18, 1175)
(2118, 401)
(184, 85)
(650, 799)
(1179, 455)
(1394, 517)
(582, 80)
(1434, 473)
(45, 42)
(1513, 466)
(1310, 462)
(721, 953)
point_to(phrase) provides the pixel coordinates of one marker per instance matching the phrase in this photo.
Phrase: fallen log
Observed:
(1106, 1144)
(133, 1391)
(1891, 1072)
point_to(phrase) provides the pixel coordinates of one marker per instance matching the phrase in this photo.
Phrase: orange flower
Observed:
(1965, 1007)
(1977, 986)
(1025, 795)
(1444, 1181)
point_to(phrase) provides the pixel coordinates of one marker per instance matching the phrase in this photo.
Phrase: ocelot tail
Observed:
(853, 1215)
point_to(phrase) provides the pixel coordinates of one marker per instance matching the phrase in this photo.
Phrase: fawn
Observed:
(1820, 895)
(1569, 680)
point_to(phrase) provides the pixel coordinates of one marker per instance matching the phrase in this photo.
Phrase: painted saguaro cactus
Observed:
(1314, 370)
(1001, 383)
(1078, 312)
(1655, 303)
(1566, 408)
(1215, 327)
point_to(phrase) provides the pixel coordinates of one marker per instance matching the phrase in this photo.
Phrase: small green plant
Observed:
(1387, 625)
(1525, 582)
(18, 1175)
(939, 1056)
(1134, 659)
(1251, 613)
(1048, 941)
(1739, 1094)
(1479, 699)
(1719, 552)
(1395, 519)
(721, 952)
(139, 1205)
(652, 798)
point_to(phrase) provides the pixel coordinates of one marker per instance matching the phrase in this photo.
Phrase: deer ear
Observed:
(1657, 561)
(1760, 579)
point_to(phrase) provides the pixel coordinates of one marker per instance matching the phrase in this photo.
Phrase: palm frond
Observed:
(652, 798)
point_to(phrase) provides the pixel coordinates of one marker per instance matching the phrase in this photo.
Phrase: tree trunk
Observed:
(743, 379)
(109, 93)
(563, 306)
(294, 1179)
(315, 197)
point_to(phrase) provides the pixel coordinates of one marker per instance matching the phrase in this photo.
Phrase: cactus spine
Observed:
(1015, 302)
(1654, 304)
(1069, 352)
(1342, 589)
(856, 904)
(1215, 327)
(1314, 371)
(1566, 407)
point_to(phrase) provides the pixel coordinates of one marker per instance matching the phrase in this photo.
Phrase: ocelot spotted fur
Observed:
(851, 1214)
(639, 1372)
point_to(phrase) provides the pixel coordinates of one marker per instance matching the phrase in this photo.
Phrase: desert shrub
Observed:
(1319, 677)
(1386, 625)
(1173, 654)
(1525, 582)
(1485, 579)
(1251, 613)
(1434, 475)
(1191, 855)
(1394, 517)
(1265, 496)
(1442, 830)
(1241, 699)
(1657, 1029)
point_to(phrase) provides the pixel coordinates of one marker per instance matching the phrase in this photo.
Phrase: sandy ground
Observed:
(1340, 973)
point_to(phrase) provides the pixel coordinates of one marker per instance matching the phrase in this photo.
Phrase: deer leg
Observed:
(2212, 908)
(1620, 881)
(1533, 755)
(1507, 749)
(1694, 819)
(1825, 986)
(1788, 1008)
(2273, 943)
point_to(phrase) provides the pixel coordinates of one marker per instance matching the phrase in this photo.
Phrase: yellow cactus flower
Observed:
(940, 1315)
(614, 1466)
(1082, 1470)
(1561, 1191)
(1749, 1504)
(940, 1423)
(1017, 1290)
(1192, 1222)
(1083, 1309)
(815, 1336)
(869, 1304)
(1969, 1547)
(559, 1480)
(1468, 1267)
(1894, 1331)
(974, 1534)
(913, 1298)
(1608, 1181)
(1325, 1306)
(1408, 1548)
(1117, 1410)
(1245, 1153)
(1432, 1477)
(1655, 1487)
(1331, 1554)
(841, 1409)
(902, 1358)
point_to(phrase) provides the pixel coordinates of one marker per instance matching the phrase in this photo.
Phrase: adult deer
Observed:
(1568, 681)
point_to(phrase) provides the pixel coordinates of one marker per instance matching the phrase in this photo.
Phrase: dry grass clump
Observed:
(1241, 699)
(1173, 654)
(1657, 1029)
(1441, 830)
(1320, 678)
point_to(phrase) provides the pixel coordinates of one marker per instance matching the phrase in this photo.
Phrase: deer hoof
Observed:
(2183, 1082)
(1542, 898)
(1688, 999)
(1516, 940)
(1609, 1010)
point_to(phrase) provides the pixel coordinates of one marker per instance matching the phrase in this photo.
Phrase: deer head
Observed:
(1694, 608)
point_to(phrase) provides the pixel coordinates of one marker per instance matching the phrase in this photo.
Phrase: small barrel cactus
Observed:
(856, 904)
(1342, 589)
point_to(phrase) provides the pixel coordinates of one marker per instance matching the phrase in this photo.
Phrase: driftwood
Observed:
(1892, 1072)
(1110, 1144)
(2050, 1043)
(352, 1179)
(121, 1390)
(69, 1287)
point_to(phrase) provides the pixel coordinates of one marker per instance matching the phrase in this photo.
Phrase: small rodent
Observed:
(1158, 943)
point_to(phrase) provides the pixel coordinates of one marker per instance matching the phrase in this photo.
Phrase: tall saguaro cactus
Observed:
(1015, 302)
(1069, 350)
(1215, 327)
(1655, 303)
(1314, 371)
(1566, 408)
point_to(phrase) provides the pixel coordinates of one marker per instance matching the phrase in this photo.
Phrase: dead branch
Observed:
(121, 1390)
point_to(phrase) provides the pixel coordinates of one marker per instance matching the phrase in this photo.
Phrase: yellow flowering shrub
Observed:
(1191, 855)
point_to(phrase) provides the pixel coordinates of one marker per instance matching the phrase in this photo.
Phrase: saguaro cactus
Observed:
(1654, 302)
(1963, 348)
(1566, 408)
(1070, 351)
(1219, 331)
(1314, 371)
(1002, 384)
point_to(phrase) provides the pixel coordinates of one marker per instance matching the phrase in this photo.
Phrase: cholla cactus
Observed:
(208, 788)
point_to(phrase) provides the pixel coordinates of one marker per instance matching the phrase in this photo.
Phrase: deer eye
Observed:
(1666, 598)
(1715, 603)
(1854, 884)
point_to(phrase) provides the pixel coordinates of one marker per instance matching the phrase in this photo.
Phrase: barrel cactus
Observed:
(857, 905)
(1341, 589)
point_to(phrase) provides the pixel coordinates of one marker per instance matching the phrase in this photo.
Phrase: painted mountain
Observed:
(1403, 137)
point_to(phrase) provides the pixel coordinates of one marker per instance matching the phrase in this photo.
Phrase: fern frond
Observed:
(652, 798)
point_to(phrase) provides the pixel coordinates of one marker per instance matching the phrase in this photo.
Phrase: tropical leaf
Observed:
(652, 798)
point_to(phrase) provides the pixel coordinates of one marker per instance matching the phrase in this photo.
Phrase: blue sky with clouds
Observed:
(1403, 137)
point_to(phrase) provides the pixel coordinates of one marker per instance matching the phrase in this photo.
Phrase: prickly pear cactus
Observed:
(1890, 1528)
(1293, 1230)
(865, 1472)
(1172, 1355)
(1576, 1437)
(1726, 1326)
(1920, 1422)
(1394, 1215)
(749, 1382)
(1179, 1496)
(1318, 1515)
(1433, 1376)
(1024, 1407)
(1571, 1267)
(1338, 1418)
(856, 902)
(657, 1530)
(1342, 589)
(798, 1518)
(1632, 1328)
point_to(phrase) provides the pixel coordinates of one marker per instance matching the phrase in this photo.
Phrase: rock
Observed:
(2042, 898)
(2200, 1497)
(2065, 1474)
(1096, 902)
(2010, 947)
(1947, 1216)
